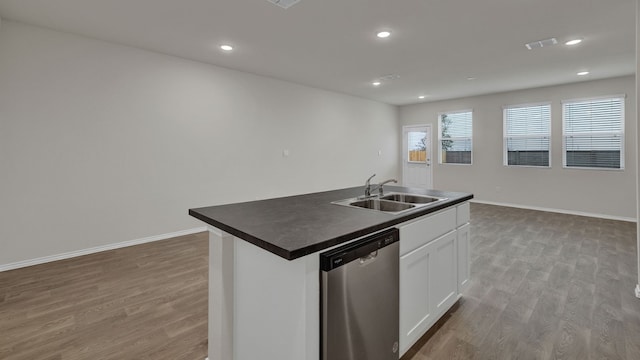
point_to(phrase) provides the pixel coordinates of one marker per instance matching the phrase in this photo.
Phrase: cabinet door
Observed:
(415, 315)
(464, 266)
(443, 273)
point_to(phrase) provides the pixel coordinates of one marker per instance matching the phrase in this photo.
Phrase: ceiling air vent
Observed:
(541, 43)
(285, 4)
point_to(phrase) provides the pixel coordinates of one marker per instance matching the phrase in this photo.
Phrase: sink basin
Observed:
(392, 203)
(410, 198)
(382, 205)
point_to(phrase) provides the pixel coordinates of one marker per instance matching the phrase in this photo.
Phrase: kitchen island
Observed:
(264, 289)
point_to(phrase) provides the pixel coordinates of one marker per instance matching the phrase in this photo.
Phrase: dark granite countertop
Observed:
(295, 226)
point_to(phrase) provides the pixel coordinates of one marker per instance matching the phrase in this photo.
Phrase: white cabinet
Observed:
(415, 312)
(434, 267)
(464, 261)
(428, 287)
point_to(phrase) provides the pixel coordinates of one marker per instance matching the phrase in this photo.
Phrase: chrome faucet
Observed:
(367, 186)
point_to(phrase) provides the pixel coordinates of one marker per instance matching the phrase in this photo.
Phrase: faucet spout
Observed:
(388, 181)
(379, 186)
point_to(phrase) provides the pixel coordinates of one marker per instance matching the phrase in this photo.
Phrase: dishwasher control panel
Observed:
(358, 249)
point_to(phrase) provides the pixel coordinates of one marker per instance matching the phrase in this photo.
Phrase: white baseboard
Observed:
(638, 291)
(559, 211)
(93, 250)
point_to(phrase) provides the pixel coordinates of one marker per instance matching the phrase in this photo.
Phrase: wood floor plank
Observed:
(572, 342)
(503, 337)
(513, 276)
(454, 348)
(586, 267)
(607, 340)
(543, 325)
(579, 304)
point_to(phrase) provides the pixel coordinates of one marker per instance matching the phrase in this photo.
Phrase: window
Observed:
(455, 137)
(527, 135)
(417, 146)
(593, 133)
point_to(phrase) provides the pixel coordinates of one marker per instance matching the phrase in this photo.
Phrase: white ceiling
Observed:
(331, 44)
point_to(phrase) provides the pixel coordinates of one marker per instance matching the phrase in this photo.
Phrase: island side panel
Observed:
(221, 290)
(276, 305)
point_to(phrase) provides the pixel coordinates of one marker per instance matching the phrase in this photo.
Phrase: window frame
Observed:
(621, 133)
(470, 138)
(505, 137)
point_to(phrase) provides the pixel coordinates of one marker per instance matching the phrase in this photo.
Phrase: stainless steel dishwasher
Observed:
(360, 299)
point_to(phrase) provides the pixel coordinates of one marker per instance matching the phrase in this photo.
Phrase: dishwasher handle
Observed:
(369, 258)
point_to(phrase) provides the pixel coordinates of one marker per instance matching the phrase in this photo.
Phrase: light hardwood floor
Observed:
(544, 286)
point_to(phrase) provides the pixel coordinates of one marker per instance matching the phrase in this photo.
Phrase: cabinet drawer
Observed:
(420, 232)
(463, 214)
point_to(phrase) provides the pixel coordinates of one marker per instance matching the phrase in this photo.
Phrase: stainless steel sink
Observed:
(382, 205)
(410, 198)
(392, 203)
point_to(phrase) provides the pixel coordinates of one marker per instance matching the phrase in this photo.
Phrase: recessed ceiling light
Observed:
(583, 73)
(383, 34)
(573, 42)
(471, 78)
(376, 83)
(421, 97)
(226, 47)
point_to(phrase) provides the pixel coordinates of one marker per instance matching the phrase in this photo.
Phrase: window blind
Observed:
(456, 137)
(527, 135)
(593, 133)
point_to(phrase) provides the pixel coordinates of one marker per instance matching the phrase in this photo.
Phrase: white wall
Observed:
(603, 193)
(101, 143)
(638, 139)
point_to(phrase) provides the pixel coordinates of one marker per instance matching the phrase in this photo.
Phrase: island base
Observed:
(261, 306)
